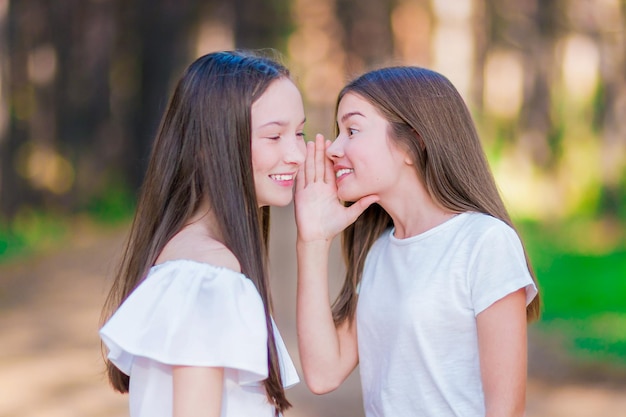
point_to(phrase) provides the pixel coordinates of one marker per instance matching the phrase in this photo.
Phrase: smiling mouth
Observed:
(282, 177)
(344, 171)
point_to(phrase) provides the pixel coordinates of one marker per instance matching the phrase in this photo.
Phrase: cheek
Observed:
(302, 149)
(260, 157)
(377, 169)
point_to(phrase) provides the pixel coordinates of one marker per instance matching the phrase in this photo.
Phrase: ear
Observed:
(420, 140)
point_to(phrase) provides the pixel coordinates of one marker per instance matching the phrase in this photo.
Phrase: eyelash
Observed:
(299, 134)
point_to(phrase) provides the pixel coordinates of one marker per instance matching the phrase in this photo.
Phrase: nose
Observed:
(295, 152)
(335, 150)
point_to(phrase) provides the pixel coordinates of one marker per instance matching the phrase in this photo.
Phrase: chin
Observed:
(346, 196)
(277, 202)
(282, 203)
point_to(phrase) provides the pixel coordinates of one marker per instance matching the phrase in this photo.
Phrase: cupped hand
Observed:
(320, 215)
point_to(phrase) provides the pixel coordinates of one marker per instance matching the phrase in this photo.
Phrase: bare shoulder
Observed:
(199, 248)
(215, 253)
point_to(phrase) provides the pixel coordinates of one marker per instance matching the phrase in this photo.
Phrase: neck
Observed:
(204, 220)
(418, 222)
(413, 211)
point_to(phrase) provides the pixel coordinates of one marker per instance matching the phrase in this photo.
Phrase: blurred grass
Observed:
(35, 230)
(115, 206)
(583, 286)
(29, 231)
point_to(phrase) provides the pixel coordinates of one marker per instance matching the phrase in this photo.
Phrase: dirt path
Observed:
(50, 362)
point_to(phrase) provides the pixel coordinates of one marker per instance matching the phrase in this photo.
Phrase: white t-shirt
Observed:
(416, 315)
(194, 314)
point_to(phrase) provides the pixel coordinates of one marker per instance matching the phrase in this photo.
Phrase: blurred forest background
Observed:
(83, 84)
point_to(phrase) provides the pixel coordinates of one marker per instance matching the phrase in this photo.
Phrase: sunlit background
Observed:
(83, 84)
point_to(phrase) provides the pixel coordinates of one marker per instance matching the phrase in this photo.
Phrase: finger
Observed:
(329, 170)
(319, 157)
(309, 163)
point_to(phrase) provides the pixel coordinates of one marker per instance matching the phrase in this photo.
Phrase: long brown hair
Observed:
(202, 153)
(428, 118)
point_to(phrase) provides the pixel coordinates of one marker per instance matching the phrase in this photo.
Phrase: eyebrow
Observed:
(280, 123)
(349, 115)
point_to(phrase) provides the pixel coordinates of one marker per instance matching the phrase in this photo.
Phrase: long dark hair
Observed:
(202, 153)
(428, 118)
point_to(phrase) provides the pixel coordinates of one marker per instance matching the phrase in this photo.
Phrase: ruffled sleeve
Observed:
(287, 369)
(192, 314)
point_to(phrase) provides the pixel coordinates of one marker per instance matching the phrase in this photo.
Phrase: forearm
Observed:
(327, 354)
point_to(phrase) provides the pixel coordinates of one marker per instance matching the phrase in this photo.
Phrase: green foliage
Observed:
(584, 294)
(30, 230)
(599, 104)
(579, 286)
(9, 243)
(612, 201)
(115, 205)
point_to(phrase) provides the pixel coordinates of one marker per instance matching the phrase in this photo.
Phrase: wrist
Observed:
(303, 243)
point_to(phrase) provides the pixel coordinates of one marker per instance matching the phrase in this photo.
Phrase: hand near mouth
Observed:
(320, 215)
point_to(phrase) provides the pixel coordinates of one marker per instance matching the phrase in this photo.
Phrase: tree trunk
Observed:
(16, 190)
(262, 24)
(368, 38)
(160, 43)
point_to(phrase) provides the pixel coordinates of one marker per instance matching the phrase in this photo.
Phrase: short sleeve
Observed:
(192, 314)
(498, 268)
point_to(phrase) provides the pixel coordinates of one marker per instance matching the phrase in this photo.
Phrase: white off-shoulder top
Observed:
(194, 314)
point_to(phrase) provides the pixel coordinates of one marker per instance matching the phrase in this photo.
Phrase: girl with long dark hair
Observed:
(188, 320)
